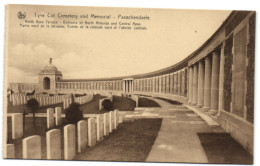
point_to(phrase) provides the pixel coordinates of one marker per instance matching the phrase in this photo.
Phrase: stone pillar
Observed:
(92, 132)
(110, 121)
(82, 128)
(160, 84)
(130, 86)
(116, 118)
(139, 85)
(17, 125)
(100, 127)
(214, 83)
(9, 151)
(170, 83)
(126, 85)
(179, 83)
(183, 83)
(207, 84)
(221, 80)
(201, 84)
(150, 85)
(58, 116)
(106, 124)
(69, 142)
(175, 83)
(50, 118)
(32, 147)
(53, 144)
(195, 85)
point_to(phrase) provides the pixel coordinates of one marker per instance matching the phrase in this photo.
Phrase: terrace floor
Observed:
(186, 136)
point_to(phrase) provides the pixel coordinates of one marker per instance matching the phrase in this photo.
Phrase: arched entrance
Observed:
(46, 83)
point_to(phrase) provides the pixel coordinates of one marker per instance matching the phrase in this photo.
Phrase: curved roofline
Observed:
(177, 66)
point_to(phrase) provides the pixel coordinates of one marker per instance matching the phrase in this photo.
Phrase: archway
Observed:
(46, 83)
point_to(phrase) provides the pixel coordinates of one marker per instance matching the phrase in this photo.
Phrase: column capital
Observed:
(200, 62)
(207, 58)
(215, 53)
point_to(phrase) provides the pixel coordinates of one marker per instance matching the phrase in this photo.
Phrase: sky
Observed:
(171, 36)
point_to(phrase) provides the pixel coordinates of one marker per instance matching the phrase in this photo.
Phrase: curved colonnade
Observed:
(217, 78)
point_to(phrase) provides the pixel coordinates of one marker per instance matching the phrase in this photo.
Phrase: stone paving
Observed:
(177, 140)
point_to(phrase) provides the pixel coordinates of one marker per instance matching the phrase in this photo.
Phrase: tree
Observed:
(108, 105)
(73, 113)
(33, 105)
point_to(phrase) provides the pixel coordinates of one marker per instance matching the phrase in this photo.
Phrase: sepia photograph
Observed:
(129, 84)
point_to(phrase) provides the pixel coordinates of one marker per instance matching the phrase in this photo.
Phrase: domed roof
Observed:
(50, 69)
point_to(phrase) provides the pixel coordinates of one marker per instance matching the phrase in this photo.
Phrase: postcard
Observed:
(129, 84)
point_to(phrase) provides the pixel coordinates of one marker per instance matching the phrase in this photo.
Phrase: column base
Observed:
(212, 112)
(199, 105)
(194, 104)
(205, 109)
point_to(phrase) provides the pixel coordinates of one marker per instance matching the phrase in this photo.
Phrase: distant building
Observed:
(48, 77)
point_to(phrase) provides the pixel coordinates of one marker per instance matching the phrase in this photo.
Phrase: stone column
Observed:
(207, 84)
(145, 85)
(127, 86)
(136, 85)
(123, 85)
(153, 87)
(221, 80)
(214, 83)
(132, 86)
(201, 84)
(195, 85)
(164, 84)
(170, 83)
(149, 84)
(179, 83)
(140, 85)
(160, 84)
(183, 83)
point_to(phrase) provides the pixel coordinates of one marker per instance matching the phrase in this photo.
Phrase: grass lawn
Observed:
(144, 102)
(92, 106)
(123, 103)
(120, 103)
(132, 141)
(222, 148)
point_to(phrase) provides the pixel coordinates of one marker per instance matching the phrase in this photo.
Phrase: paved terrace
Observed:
(177, 140)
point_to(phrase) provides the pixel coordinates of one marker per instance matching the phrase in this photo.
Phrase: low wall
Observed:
(240, 130)
(181, 99)
(74, 91)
